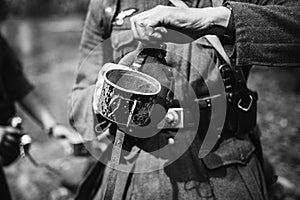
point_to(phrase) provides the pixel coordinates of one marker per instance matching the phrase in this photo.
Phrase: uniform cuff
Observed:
(230, 30)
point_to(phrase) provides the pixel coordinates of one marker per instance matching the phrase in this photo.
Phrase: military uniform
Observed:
(230, 171)
(13, 86)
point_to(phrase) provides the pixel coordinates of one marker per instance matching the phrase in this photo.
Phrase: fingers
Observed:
(159, 33)
(145, 26)
(169, 24)
(145, 32)
(140, 29)
(12, 130)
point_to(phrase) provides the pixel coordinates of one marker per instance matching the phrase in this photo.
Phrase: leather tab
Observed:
(232, 151)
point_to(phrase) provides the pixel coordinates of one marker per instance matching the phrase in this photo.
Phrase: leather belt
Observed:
(241, 102)
(185, 117)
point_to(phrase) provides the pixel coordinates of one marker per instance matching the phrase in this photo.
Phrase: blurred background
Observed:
(46, 35)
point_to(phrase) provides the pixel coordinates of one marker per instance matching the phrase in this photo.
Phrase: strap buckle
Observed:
(227, 76)
(245, 108)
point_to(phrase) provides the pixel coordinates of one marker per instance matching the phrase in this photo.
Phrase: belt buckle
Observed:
(246, 109)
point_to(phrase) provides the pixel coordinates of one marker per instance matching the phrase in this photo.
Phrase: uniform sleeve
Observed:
(91, 60)
(15, 81)
(267, 35)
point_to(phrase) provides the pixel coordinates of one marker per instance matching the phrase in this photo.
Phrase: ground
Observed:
(49, 51)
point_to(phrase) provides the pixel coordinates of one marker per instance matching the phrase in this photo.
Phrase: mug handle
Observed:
(144, 52)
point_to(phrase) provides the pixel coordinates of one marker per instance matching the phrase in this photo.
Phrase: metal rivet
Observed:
(171, 141)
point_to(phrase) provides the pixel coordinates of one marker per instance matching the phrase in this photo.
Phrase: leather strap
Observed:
(113, 165)
(215, 42)
(178, 3)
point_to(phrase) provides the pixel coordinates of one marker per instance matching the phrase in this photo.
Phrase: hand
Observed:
(179, 25)
(9, 144)
(61, 132)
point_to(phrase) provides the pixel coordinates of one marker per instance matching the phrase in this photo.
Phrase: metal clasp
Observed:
(174, 119)
(248, 107)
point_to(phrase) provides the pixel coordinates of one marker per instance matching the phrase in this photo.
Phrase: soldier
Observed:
(231, 170)
(15, 87)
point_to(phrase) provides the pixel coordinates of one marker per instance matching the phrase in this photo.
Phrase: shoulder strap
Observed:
(178, 3)
(216, 3)
(215, 42)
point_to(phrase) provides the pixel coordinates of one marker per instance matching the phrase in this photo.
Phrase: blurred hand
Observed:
(9, 144)
(61, 132)
(179, 25)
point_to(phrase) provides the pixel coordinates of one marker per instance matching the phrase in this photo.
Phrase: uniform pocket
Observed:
(232, 151)
(122, 42)
(234, 172)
